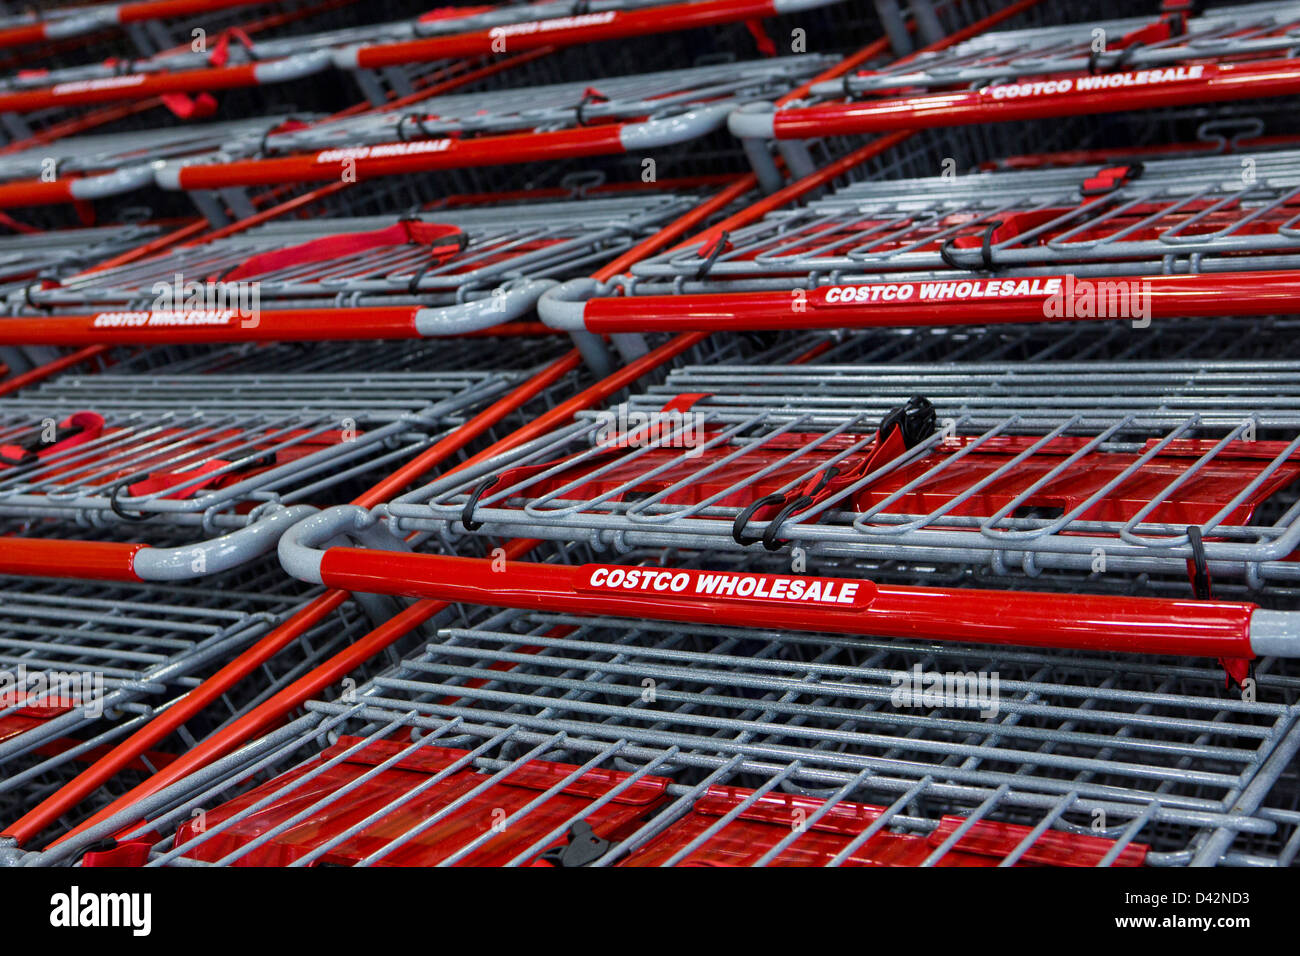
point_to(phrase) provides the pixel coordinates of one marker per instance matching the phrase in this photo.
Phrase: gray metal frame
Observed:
(512, 252)
(818, 416)
(877, 229)
(54, 254)
(1146, 753)
(178, 424)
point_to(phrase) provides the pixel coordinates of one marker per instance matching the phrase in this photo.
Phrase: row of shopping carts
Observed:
(832, 457)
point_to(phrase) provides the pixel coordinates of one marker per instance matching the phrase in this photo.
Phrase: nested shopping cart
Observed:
(1171, 237)
(1179, 469)
(78, 20)
(611, 115)
(1171, 58)
(1040, 462)
(454, 271)
(228, 459)
(85, 664)
(548, 737)
(53, 254)
(260, 62)
(156, 40)
(557, 402)
(112, 164)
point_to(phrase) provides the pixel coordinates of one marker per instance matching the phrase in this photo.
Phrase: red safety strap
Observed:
(77, 429)
(160, 481)
(1110, 179)
(109, 852)
(761, 38)
(220, 54)
(900, 430)
(186, 107)
(444, 241)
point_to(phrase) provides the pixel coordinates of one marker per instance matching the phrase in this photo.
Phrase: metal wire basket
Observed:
(1224, 54)
(1210, 235)
(540, 738)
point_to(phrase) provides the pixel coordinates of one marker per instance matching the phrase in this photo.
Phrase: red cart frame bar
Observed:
(795, 602)
(945, 302)
(571, 31)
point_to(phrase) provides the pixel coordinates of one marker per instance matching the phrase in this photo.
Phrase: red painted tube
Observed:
(566, 31)
(1204, 83)
(678, 227)
(34, 192)
(41, 373)
(132, 86)
(1075, 621)
(190, 229)
(159, 9)
(285, 325)
(23, 35)
(126, 13)
(788, 194)
(1228, 294)
(50, 558)
(416, 157)
(441, 450)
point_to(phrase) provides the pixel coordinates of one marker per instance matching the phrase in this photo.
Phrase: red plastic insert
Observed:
(761, 826)
(616, 819)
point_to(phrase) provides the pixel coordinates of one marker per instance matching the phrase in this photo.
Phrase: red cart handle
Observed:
(1216, 629)
(945, 302)
(121, 561)
(1040, 98)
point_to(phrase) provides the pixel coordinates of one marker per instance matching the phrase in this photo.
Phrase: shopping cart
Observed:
(1186, 473)
(211, 32)
(551, 382)
(612, 115)
(1224, 54)
(262, 62)
(64, 22)
(543, 737)
(455, 271)
(1032, 465)
(112, 164)
(235, 455)
(1171, 237)
(87, 664)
